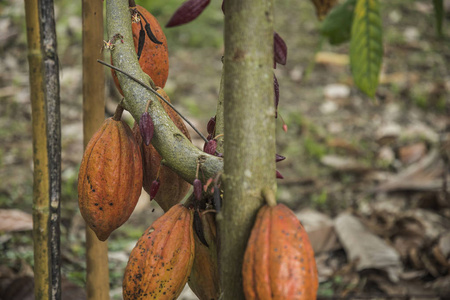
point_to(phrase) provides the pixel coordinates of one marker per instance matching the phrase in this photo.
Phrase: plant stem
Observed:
(249, 130)
(157, 94)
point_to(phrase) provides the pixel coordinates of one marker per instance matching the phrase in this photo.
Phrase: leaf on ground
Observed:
(344, 164)
(332, 59)
(366, 46)
(15, 220)
(368, 250)
(424, 175)
(337, 25)
(320, 229)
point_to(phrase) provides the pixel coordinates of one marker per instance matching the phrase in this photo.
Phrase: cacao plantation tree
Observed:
(230, 239)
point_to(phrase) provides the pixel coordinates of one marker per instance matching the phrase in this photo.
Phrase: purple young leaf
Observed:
(210, 147)
(197, 188)
(276, 88)
(279, 157)
(154, 189)
(187, 12)
(211, 125)
(146, 127)
(278, 174)
(279, 49)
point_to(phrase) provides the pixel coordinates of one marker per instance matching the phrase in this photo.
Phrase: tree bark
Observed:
(97, 272)
(249, 131)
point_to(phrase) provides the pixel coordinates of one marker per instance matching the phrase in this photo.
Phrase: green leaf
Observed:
(338, 23)
(439, 13)
(366, 46)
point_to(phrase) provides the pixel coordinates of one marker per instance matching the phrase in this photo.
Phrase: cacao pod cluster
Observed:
(118, 162)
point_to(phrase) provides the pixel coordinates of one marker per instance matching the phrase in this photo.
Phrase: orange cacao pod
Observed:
(279, 259)
(204, 278)
(154, 58)
(110, 178)
(160, 263)
(172, 187)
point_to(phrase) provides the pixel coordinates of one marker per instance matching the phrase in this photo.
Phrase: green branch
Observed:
(178, 152)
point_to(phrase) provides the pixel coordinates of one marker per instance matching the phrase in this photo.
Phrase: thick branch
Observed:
(249, 131)
(178, 152)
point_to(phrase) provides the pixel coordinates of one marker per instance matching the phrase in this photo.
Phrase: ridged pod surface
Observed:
(110, 178)
(160, 263)
(172, 187)
(204, 278)
(154, 58)
(279, 259)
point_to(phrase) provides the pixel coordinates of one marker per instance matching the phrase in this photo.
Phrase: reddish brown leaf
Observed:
(276, 88)
(146, 128)
(197, 188)
(187, 12)
(279, 49)
(210, 147)
(154, 189)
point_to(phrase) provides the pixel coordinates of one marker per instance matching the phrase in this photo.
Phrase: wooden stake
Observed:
(97, 277)
(40, 155)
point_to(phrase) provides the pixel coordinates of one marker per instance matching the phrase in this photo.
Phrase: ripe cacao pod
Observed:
(172, 187)
(204, 278)
(279, 259)
(154, 58)
(160, 263)
(110, 178)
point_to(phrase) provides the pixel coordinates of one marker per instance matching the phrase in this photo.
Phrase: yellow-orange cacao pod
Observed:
(110, 178)
(172, 187)
(204, 278)
(160, 263)
(279, 260)
(154, 58)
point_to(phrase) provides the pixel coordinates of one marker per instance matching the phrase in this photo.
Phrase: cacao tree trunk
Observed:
(97, 272)
(249, 127)
(44, 91)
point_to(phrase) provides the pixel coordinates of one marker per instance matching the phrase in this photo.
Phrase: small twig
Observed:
(156, 93)
(118, 113)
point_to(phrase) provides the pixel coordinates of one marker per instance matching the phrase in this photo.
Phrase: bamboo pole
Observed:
(97, 273)
(40, 155)
(249, 131)
(51, 67)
